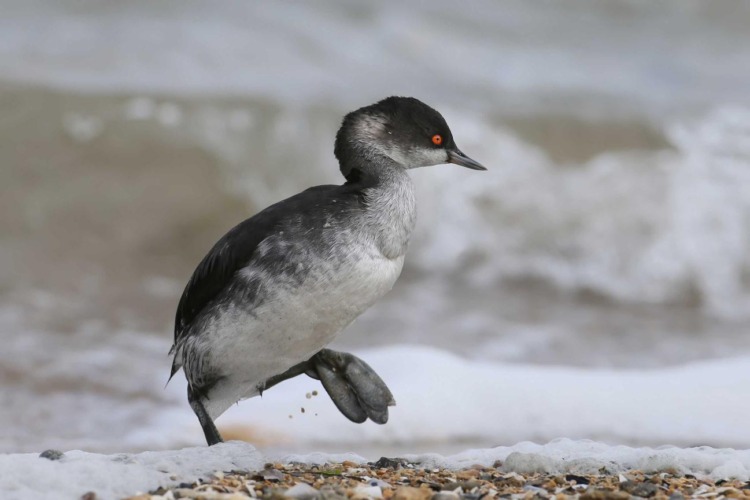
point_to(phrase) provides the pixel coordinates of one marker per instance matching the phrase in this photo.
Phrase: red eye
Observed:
(437, 139)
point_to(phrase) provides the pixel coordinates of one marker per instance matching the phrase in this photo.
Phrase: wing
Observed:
(233, 252)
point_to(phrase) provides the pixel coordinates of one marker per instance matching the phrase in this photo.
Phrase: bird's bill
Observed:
(459, 158)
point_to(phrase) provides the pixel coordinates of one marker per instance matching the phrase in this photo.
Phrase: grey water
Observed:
(612, 229)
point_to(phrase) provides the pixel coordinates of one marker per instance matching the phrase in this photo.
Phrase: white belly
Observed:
(294, 323)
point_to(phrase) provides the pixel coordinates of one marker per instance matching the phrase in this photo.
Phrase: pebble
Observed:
(603, 494)
(445, 495)
(271, 475)
(390, 463)
(365, 492)
(576, 479)
(535, 489)
(51, 454)
(644, 490)
(410, 493)
(514, 479)
(377, 482)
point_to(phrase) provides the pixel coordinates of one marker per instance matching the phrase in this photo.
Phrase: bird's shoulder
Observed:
(235, 249)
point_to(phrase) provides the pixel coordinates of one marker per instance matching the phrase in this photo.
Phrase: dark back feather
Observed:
(235, 249)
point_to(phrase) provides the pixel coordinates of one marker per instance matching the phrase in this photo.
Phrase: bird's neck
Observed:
(390, 201)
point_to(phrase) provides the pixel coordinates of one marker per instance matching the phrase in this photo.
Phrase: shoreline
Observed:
(585, 469)
(397, 479)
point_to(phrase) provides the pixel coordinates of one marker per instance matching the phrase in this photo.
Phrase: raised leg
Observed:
(304, 367)
(356, 390)
(209, 428)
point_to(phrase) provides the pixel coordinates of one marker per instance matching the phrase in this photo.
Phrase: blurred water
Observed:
(612, 229)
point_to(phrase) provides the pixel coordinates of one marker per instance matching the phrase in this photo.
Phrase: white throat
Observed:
(392, 211)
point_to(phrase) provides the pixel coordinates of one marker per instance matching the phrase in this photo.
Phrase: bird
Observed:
(275, 290)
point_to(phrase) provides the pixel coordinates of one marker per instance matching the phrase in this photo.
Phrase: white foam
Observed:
(115, 476)
(589, 457)
(442, 398)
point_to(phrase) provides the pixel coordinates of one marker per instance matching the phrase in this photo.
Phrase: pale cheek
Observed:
(417, 157)
(427, 157)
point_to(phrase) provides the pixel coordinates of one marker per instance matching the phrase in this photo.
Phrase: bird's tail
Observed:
(176, 364)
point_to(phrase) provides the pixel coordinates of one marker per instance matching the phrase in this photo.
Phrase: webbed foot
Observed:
(357, 391)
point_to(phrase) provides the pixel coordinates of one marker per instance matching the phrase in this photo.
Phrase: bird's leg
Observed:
(304, 367)
(356, 390)
(209, 428)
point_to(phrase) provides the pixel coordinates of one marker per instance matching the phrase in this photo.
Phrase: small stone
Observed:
(302, 491)
(389, 463)
(576, 479)
(445, 495)
(272, 475)
(378, 482)
(640, 489)
(602, 494)
(464, 485)
(328, 493)
(89, 495)
(314, 393)
(51, 454)
(513, 479)
(410, 493)
(367, 492)
(536, 489)
(468, 474)
(274, 494)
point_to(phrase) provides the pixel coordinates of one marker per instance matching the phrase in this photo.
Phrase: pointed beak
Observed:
(459, 158)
